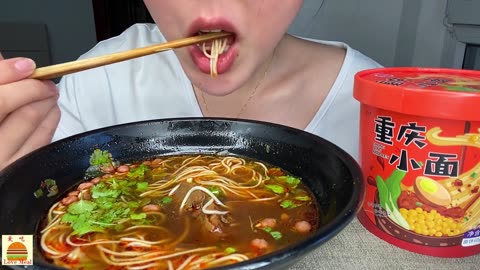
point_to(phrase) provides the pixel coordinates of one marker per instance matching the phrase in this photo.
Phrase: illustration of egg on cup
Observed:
(431, 192)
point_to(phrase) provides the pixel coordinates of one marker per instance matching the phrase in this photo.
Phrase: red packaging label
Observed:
(423, 181)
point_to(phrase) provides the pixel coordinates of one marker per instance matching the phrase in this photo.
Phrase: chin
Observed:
(216, 88)
(221, 85)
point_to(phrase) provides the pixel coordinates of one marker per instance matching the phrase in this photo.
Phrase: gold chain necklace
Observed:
(252, 94)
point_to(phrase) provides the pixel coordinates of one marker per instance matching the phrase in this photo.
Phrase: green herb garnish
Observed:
(106, 210)
(101, 190)
(100, 158)
(138, 172)
(288, 204)
(142, 186)
(215, 190)
(167, 200)
(132, 204)
(80, 207)
(47, 185)
(229, 250)
(81, 224)
(275, 188)
(290, 180)
(303, 198)
(138, 216)
(50, 183)
(474, 175)
(38, 193)
(276, 235)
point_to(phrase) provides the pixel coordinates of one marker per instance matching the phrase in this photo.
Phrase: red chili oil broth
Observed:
(238, 227)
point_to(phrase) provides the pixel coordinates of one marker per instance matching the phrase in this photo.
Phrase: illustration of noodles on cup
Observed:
(420, 156)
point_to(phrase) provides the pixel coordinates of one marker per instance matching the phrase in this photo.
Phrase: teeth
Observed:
(208, 46)
(210, 31)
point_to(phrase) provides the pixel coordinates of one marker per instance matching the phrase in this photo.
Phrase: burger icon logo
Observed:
(17, 249)
(17, 252)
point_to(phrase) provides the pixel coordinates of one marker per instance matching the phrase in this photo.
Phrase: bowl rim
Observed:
(291, 252)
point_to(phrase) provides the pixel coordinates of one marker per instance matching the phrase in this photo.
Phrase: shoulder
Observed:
(354, 60)
(137, 35)
(325, 63)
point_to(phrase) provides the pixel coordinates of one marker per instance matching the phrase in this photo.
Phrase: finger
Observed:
(18, 126)
(1, 56)
(42, 135)
(15, 69)
(19, 94)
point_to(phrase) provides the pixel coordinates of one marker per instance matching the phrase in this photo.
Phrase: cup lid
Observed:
(429, 92)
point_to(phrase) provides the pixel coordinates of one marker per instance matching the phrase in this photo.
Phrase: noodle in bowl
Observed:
(210, 198)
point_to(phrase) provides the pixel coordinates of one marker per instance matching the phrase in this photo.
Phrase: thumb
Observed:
(15, 69)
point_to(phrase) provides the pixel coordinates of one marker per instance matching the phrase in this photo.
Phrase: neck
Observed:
(236, 103)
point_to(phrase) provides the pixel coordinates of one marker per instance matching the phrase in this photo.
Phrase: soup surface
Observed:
(177, 212)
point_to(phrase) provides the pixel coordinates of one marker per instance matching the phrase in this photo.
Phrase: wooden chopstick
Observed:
(54, 71)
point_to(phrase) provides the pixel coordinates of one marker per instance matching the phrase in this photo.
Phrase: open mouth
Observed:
(215, 56)
(224, 43)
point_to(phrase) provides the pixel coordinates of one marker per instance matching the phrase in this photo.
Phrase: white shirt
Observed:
(155, 87)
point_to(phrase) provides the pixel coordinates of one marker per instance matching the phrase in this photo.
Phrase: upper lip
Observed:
(203, 23)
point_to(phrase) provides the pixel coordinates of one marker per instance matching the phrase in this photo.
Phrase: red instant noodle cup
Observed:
(420, 156)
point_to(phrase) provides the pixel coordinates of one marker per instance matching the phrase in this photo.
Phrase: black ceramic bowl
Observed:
(333, 175)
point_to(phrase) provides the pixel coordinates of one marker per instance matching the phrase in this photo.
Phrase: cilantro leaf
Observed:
(38, 193)
(167, 200)
(69, 218)
(303, 198)
(101, 190)
(290, 180)
(50, 182)
(230, 250)
(142, 186)
(138, 172)
(215, 190)
(288, 204)
(100, 158)
(275, 188)
(276, 235)
(80, 207)
(102, 218)
(105, 210)
(133, 204)
(105, 203)
(81, 224)
(138, 216)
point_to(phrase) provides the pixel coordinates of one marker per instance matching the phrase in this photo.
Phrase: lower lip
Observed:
(225, 60)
